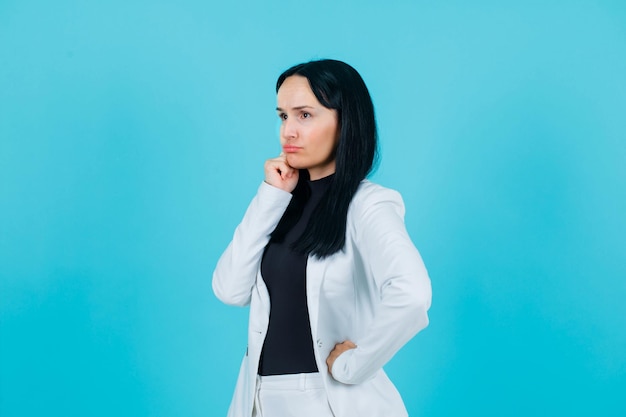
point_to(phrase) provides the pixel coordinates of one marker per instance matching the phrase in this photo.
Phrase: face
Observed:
(309, 131)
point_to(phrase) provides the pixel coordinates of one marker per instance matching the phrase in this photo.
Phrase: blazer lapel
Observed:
(315, 270)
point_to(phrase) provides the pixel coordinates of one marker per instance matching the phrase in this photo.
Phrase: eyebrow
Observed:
(297, 108)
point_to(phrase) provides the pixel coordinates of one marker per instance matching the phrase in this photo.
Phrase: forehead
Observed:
(295, 92)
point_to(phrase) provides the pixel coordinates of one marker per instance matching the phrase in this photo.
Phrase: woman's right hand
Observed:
(279, 174)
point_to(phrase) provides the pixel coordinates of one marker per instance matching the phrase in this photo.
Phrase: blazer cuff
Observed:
(272, 195)
(341, 368)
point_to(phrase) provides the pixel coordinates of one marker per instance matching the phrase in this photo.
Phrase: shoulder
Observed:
(371, 196)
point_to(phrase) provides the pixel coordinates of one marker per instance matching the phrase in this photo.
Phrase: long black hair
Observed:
(338, 86)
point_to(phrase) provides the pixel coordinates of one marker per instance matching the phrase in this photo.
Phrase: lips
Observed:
(291, 148)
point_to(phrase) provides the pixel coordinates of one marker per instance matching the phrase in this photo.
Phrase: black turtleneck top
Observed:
(288, 347)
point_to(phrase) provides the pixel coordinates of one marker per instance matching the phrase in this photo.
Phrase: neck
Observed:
(317, 173)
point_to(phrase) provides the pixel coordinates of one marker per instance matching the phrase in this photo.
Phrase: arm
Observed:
(400, 279)
(236, 270)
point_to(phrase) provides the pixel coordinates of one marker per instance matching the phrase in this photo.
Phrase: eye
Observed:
(306, 115)
(282, 116)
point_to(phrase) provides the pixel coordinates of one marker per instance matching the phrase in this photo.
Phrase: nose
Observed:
(289, 129)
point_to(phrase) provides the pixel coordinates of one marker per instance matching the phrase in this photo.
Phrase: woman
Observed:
(322, 256)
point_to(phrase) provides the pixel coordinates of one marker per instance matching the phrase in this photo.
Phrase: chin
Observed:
(294, 163)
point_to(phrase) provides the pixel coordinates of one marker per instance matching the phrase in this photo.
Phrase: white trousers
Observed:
(298, 395)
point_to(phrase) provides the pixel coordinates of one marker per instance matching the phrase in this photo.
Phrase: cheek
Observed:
(325, 143)
(331, 138)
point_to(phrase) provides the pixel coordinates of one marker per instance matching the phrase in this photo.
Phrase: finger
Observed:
(342, 347)
(347, 344)
(285, 170)
(283, 157)
(280, 167)
(336, 352)
(329, 363)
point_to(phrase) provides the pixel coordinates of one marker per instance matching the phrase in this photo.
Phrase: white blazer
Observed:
(375, 292)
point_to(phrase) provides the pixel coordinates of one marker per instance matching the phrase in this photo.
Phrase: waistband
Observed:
(298, 382)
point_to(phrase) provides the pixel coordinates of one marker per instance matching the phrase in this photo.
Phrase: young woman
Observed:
(322, 257)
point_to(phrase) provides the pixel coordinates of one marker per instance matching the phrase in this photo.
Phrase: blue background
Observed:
(133, 135)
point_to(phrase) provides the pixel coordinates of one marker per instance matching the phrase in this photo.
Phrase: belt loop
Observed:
(302, 385)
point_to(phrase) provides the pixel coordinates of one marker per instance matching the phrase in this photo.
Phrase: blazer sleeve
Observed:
(237, 268)
(400, 280)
